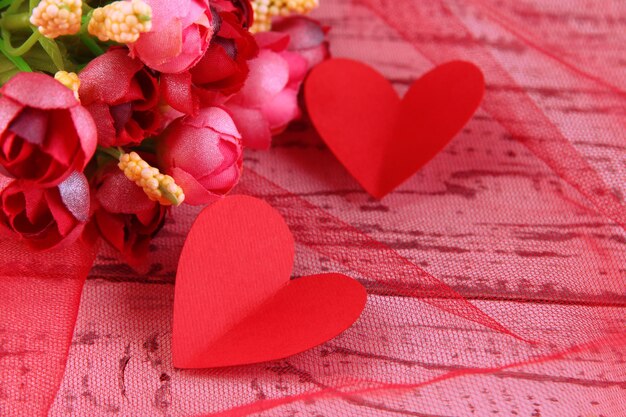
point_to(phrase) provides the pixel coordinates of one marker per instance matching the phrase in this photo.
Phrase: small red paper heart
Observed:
(234, 301)
(381, 139)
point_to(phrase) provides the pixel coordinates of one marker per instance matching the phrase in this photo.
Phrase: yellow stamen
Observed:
(158, 187)
(121, 21)
(70, 80)
(266, 10)
(56, 18)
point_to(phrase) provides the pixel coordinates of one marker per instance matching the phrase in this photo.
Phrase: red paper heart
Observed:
(381, 139)
(235, 303)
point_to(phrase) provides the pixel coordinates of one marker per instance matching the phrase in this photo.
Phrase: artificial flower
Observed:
(55, 18)
(222, 71)
(45, 134)
(203, 153)
(180, 35)
(266, 11)
(241, 9)
(125, 217)
(156, 186)
(68, 79)
(123, 96)
(307, 37)
(46, 217)
(121, 21)
(268, 102)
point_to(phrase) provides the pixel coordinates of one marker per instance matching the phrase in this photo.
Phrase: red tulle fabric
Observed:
(495, 276)
(39, 298)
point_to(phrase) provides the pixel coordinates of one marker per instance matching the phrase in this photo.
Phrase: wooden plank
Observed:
(541, 269)
(120, 360)
(552, 248)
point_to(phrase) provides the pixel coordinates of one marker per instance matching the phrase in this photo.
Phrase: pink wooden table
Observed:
(110, 373)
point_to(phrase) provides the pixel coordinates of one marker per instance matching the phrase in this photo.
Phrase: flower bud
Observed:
(70, 80)
(268, 101)
(45, 133)
(158, 187)
(203, 153)
(182, 31)
(266, 10)
(125, 218)
(121, 21)
(46, 218)
(56, 18)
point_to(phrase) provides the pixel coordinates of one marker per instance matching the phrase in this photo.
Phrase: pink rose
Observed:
(181, 33)
(268, 102)
(203, 153)
(307, 38)
(126, 218)
(221, 72)
(123, 96)
(46, 217)
(45, 134)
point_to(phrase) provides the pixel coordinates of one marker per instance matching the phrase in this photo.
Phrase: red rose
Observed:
(203, 153)
(45, 134)
(123, 97)
(224, 66)
(125, 217)
(222, 70)
(46, 217)
(242, 9)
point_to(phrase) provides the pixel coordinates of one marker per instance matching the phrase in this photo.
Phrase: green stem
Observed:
(147, 145)
(91, 44)
(23, 48)
(114, 152)
(19, 21)
(15, 5)
(18, 61)
(84, 36)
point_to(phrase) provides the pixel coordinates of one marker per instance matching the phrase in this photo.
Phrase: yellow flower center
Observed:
(158, 187)
(266, 10)
(121, 21)
(56, 18)
(70, 80)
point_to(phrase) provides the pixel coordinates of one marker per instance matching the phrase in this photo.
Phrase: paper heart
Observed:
(234, 301)
(381, 139)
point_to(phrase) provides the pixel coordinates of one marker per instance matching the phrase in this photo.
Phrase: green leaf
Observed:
(39, 60)
(6, 64)
(7, 75)
(91, 44)
(53, 51)
(7, 69)
(5, 3)
(18, 61)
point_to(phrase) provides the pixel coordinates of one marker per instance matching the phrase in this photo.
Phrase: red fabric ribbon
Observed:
(39, 297)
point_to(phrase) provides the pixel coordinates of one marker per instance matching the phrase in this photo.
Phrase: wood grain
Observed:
(109, 373)
(556, 245)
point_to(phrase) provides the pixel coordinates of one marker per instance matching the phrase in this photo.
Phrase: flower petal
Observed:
(38, 90)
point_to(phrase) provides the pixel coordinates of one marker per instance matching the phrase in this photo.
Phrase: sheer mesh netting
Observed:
(496, 275)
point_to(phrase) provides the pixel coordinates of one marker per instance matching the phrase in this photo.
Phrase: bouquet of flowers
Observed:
(111, 113)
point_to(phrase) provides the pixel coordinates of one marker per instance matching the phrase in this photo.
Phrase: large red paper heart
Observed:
(234, 301)
(381, 139)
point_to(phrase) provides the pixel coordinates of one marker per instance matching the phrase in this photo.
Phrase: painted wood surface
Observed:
(536, 270)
